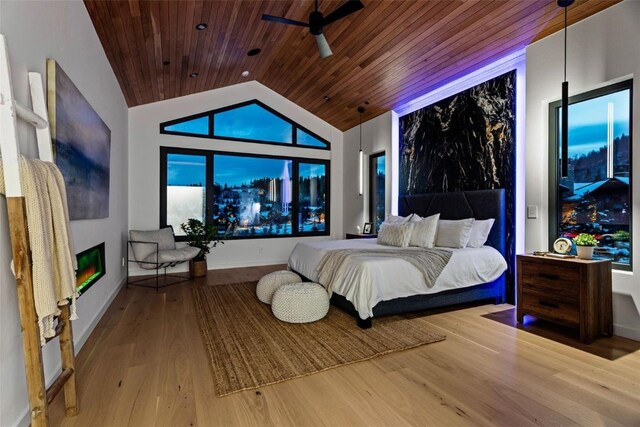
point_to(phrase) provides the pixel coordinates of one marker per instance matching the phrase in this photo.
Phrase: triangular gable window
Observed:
(250, 121)
(198, 126)
(306, 139)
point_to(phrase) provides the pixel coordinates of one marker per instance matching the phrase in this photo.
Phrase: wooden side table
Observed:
(571, 291)
(361, 236)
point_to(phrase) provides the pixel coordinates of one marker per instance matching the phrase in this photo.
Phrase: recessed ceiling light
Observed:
(193, 75)
(254, 52)
(245, 73)
(201, 26)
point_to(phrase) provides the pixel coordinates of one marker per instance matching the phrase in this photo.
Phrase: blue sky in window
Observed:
(252, 122)
(306, 139)
(380, 163)
(186, 169)
(236, 170)
(588, 122)
(310, 169)
(199, 126)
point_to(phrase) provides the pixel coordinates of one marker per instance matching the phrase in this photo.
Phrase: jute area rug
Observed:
(249, 348)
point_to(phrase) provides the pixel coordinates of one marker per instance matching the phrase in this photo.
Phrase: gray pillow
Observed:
(164, 238)
(395, 234)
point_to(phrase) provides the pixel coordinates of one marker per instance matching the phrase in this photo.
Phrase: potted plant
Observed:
(204, 238)
(585, 243)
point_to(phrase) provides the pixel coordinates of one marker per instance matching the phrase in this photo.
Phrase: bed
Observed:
(387, 285)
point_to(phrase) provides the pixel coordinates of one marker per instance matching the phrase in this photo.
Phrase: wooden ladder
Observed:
(10, 110)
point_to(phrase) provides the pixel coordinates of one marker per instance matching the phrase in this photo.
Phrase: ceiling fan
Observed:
(317, 21)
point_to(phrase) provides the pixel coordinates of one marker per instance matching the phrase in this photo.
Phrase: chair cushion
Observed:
(272, 281)
(170, 257)
(300, 302)
(164, 238)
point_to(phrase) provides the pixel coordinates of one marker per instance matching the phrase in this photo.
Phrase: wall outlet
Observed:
(123, 261)
(532, 212)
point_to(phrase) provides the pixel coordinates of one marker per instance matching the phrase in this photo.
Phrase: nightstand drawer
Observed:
(556, 279)
(571, 291)
(551, 308)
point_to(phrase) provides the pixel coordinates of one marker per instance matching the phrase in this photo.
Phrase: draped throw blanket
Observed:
(430, 262)
(52, 251)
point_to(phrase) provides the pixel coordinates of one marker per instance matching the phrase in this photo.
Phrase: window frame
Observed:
(212, 135)
(554, 156)
(372, 210)
(209, 161)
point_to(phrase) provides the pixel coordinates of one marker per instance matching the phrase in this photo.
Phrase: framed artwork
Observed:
(81, 146)
(367, 228)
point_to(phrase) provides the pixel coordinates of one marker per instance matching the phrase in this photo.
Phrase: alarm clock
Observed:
(562, 245)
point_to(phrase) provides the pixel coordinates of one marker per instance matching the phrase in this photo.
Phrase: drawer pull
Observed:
(548, 276)
(549, 304)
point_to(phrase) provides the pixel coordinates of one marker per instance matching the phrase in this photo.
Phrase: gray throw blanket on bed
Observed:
(430, 262)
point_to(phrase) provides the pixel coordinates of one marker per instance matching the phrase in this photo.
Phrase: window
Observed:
(185, 189)
(377, 177)
(595, 196)
(245, 196)
(250, 121)
(312, 192)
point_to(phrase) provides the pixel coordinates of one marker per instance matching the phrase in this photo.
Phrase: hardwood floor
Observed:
(145, 365)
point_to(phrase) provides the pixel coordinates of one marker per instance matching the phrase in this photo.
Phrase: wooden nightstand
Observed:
(570, 291)
(361, 236)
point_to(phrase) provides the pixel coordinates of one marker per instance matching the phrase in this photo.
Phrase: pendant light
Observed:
(564, 166)
(360, 158)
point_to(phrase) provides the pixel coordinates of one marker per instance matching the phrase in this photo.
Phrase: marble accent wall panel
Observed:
(464, 142)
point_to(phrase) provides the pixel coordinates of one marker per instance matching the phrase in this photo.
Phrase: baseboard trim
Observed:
(626, 332)
(183, 268)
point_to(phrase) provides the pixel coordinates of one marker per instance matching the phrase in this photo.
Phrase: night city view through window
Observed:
(251, 196)
(594, 198)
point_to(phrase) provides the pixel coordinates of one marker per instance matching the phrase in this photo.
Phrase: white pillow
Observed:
(454, 234)
(394, 219)
(480, 232)
(415, 217)
(424, 232)
(395, 234)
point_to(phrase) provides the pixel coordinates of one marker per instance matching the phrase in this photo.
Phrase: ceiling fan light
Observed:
(323, 46)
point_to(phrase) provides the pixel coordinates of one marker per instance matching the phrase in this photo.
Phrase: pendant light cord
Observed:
(565, 43)
(360, 131)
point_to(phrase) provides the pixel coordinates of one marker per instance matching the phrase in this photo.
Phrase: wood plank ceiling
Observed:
(386, 54)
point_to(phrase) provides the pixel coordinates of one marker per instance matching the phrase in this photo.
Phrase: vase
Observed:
(198, 268)
(585, 252)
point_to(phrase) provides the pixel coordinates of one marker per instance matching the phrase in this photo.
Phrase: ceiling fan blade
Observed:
(346, 9)
(323, 46)
(282, 20)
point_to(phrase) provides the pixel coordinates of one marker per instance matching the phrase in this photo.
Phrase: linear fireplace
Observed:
(91, 267)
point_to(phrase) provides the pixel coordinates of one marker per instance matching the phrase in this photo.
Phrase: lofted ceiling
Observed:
(386, 54)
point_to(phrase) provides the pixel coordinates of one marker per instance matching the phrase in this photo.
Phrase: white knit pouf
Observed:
(272, 281)
(300, 302)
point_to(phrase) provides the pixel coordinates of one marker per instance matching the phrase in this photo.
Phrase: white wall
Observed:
(376, 137)
(144, 165)
(601, 49)
(63, 31)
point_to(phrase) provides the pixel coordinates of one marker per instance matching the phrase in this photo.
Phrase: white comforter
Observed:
(367, 281)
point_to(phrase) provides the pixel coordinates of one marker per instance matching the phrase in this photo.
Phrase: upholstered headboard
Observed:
(479, 204)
